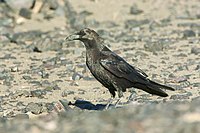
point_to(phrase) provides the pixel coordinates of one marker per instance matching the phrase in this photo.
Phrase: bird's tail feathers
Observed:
(161, 86)
(153, 89)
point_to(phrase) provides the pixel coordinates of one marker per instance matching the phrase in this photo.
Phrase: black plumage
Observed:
(113, 71)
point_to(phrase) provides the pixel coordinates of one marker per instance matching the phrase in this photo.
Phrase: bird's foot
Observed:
(131, 97)
(118, 100)
(109, 103)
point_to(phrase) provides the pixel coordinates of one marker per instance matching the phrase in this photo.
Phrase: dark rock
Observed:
(180, 97)
(197, 67)
(196, 84)
(34, 108)
(135, 10)
(65, 93)
(43, 74)
(26, 13)
(25, 36)
(195, 50)
(5, 32)
(26, 77)
(46, 44)
(135, 23)
(77, 76)
(65, 104)
(6, 22)
(53, 4)
(38, 93)
(188, 33)
(153, 46)
(14, 69)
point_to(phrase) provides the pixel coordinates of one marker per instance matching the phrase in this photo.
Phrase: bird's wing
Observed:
(120, 68)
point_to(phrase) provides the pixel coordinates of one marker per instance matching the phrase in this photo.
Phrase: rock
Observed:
(153, 46)
(26, 36)
(65, 93)
(46, 44)
(77, 76)
(38, 93)
(26, 77)
(61, 106)
(195, 50)
(53, 4)
(6, 22)
(135, 23)
(43, 74)
(34, 108)
(14, 69)
(21, 116)
(188, 33)
(135, 11)
(26, 13)
(180, 97)
(18, 4)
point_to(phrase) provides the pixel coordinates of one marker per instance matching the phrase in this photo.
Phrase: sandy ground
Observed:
(158, 66)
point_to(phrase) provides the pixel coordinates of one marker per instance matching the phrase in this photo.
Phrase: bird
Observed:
(111, 70)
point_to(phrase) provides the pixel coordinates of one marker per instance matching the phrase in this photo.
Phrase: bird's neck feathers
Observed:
(97, 44)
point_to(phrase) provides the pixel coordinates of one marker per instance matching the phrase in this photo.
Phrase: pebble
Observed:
(18, 4)
(26, 13)
(14, 69)
(135, 10)
(65, 93)
(34, 108)
(77, 76)
(195, 50)
(21, 116)
(188, 33)
(38, 93)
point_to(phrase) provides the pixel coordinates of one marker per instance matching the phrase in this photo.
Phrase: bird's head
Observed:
(89, 37)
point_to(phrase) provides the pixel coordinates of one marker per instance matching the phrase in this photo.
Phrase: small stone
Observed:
(18, 4)
(21, 116)
(179, 97)
(38, 93)
(26, 13)
(135, 11)
(43, 74)
(188, 33)
(62, 106)
(153, 46)
(53, 4)
(195, 50)
(81, 91)
(135, 23)
(77, 76)
(34, 108)
(27, 77)
(14, 69)
(65, 93)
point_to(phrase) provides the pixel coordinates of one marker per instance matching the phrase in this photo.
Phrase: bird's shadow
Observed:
(82, 104)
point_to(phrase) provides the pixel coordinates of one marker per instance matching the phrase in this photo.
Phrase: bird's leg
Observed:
(120, 94)
(109, 102)
(132, 95)
(118, 100)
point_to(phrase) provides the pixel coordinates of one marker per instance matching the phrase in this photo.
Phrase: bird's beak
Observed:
(73, 37)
